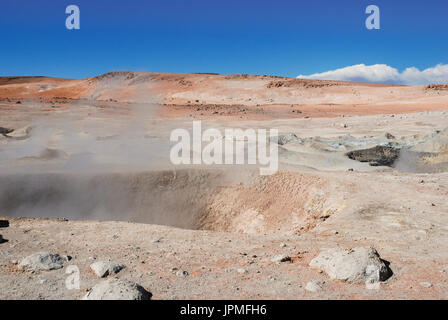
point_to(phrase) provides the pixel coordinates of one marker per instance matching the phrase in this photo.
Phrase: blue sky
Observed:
(277, 37)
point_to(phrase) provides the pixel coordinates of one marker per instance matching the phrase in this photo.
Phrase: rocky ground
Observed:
(357, 210)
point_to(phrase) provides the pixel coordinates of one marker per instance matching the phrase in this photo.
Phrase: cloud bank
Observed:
(382, 73)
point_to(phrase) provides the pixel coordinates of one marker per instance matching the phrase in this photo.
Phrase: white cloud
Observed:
(382, 73)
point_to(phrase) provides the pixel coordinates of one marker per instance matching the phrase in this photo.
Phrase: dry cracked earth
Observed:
(85, 177)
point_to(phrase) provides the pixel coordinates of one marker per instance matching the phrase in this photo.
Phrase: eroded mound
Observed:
(284, 202)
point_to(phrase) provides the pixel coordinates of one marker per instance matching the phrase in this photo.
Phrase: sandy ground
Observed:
(221, 225)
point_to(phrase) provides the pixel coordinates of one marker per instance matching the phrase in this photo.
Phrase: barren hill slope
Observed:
(237, 96)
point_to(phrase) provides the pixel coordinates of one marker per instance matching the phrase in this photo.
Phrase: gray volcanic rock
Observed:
(376, 156)
(104, 268)
(117, 289)
(359, 264)
(42, 261)
(5, 131)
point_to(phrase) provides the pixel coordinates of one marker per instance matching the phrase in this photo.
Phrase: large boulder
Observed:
(42, 261)
(359, 264)
(376, 156)
(117, 289)
(104, 268)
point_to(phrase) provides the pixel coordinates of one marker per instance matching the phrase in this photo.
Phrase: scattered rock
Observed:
(282, 245)
(355, 265)
(281, 258)
(389, 136)
(105, 268)
(284, 139)
(242, 270)
(182, 273)
(426, 284)
(42, 261)
(117, 289)
(314, 286)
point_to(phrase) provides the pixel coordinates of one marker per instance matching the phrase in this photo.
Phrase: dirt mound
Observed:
(437, 142)
(284, 202)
